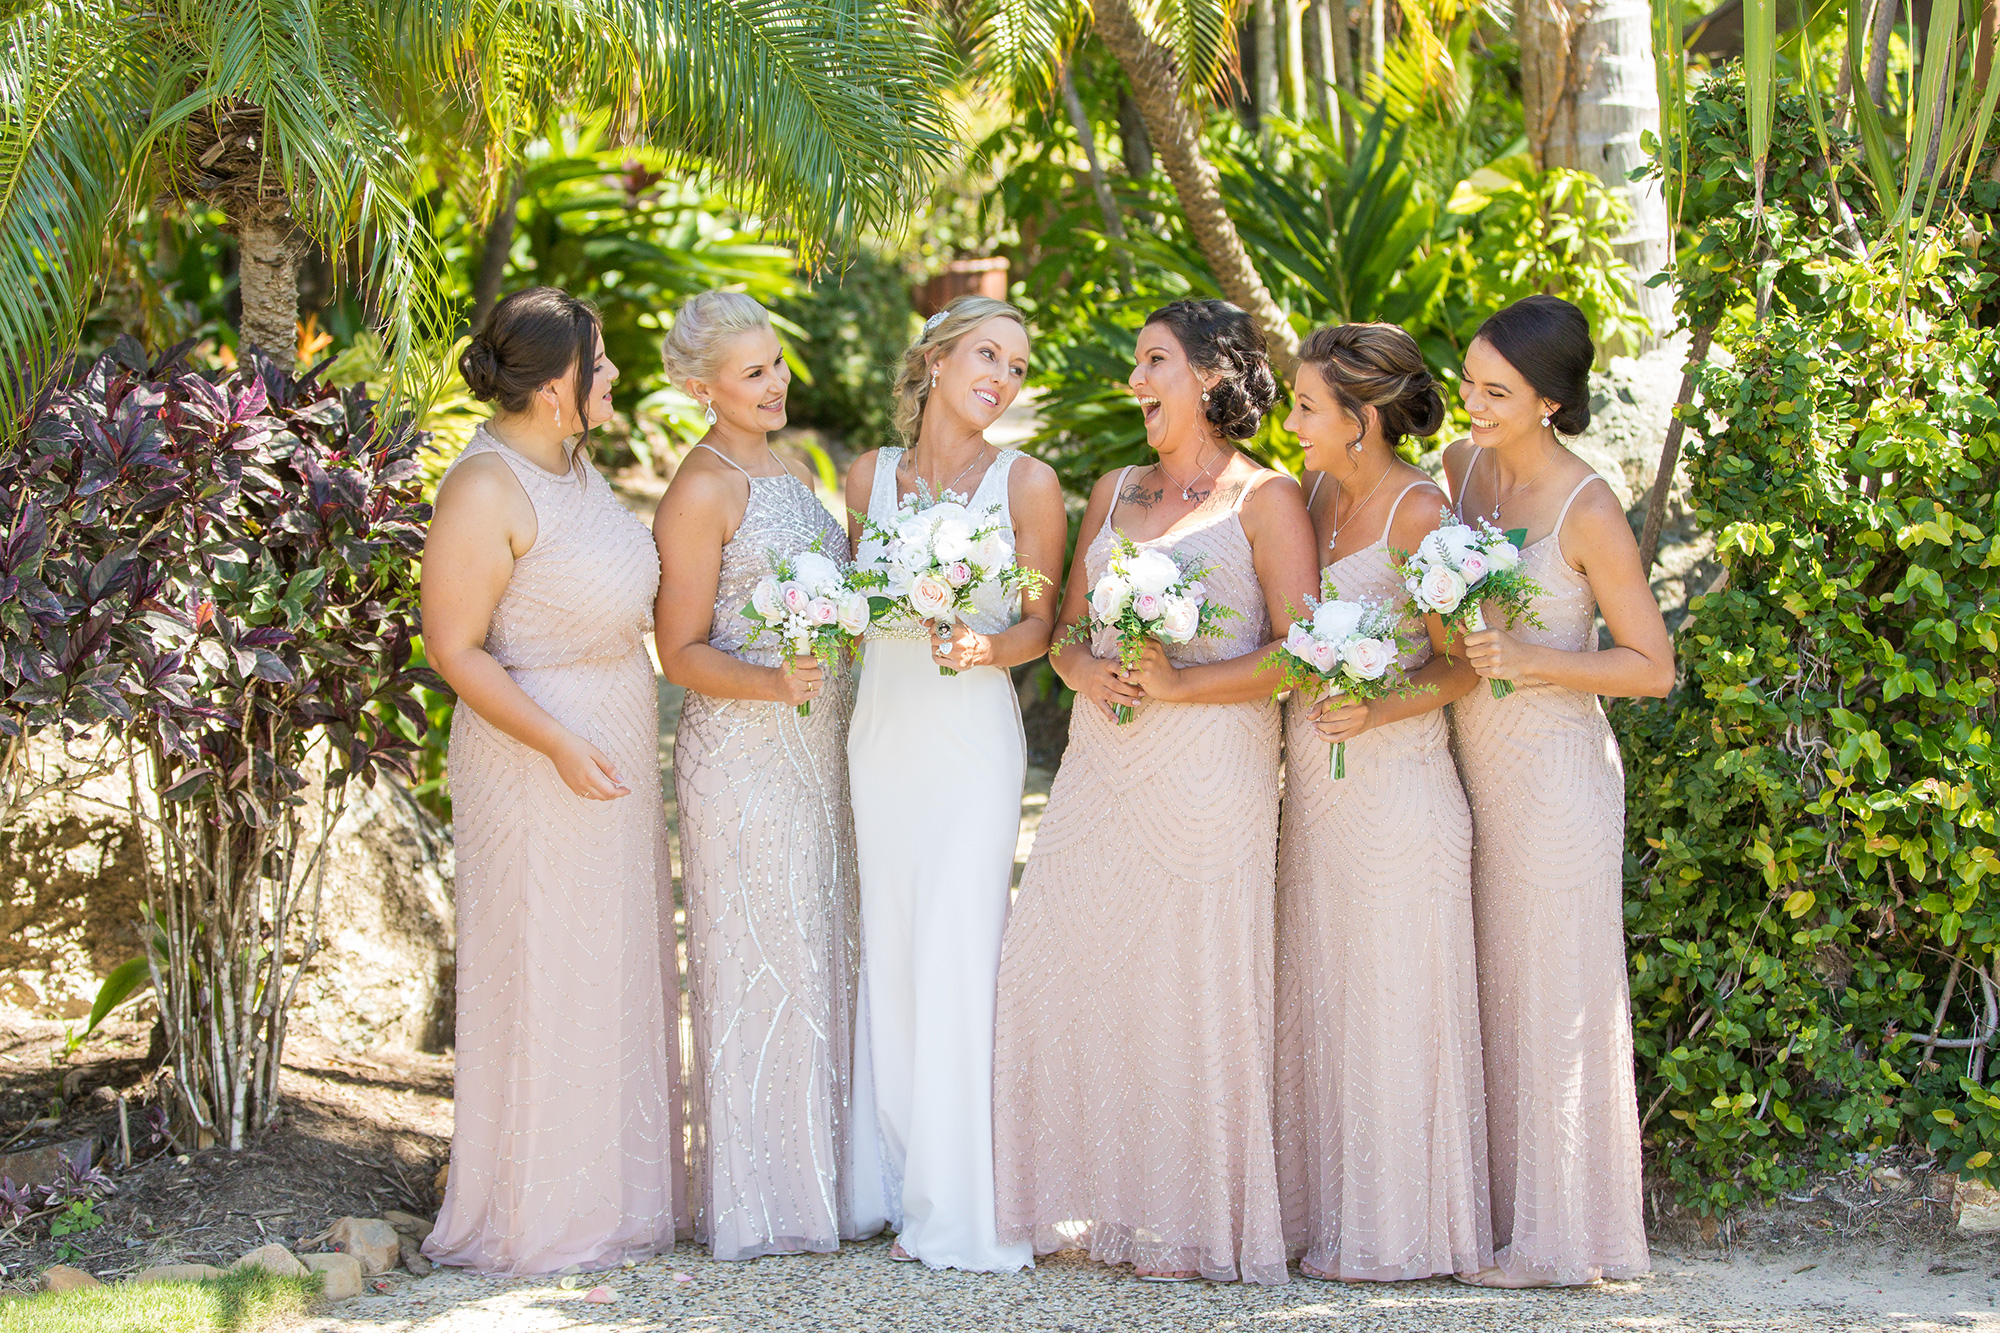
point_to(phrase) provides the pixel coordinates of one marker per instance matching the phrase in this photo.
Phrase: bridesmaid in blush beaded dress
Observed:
(1133, 1050)
(1381, 1118)
(537, 594)
(1542, 771)
(783, 1155)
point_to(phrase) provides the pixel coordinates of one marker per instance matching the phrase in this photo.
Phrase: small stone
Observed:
(64, 1278)
(273, 1259)
(370, 1240)
(407, 1224)
(342, 1274)
(39, 1166)
(413, 1257)
(176, 1273)
(1978, 1207)
(600, 1296)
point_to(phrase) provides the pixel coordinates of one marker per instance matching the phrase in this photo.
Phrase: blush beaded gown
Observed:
(1542, 772)
(773, 930)
(1381, 1122)
(1133, 1053)
(567, 1147)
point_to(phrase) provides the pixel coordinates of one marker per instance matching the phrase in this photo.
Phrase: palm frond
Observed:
(1200, 35)
(1020, 44)
(71, 78)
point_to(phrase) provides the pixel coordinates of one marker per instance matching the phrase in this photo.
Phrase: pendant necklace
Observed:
(1187, 491)
(1518, 489)
(1337, 524)
(946, 488)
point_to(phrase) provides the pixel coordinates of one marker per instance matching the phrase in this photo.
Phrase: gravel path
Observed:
(1857, 1288)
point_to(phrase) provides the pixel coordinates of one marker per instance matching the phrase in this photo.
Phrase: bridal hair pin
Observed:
(932, 323)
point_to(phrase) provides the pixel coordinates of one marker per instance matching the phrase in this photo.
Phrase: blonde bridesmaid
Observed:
(1541, 769)
(537, 594)
(1133, 1053)
(781, 1162)
(1381, 1127)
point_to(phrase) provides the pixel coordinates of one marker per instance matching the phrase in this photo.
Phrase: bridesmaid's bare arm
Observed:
(1284, 549)
(1034, 498)
(696, 518)
(859, 489)
(468, 560)
(1449, 678)
(1597, 541)
(1096, 679)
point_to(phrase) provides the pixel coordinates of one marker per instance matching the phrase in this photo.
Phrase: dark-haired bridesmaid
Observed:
(1133, 1043)
(1542, 772)
(1381, 1123)
(537, 594)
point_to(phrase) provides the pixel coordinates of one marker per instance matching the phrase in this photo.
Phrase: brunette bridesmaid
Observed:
(537, 593)
(782, 1162)
(1133, 1054)
(1541, 769)
(1381, 1128)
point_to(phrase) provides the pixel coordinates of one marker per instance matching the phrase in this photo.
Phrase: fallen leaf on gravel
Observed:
(683, 1277)
(569, 1282)
(600, 1296)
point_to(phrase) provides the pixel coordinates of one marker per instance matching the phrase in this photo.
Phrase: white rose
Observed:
(1440, 589)
(1503, 555)
(871, 554)
(930, 595)
(1108, 598)
(1153, 572)
(912, 556)
(1196, 592)
(949, 511)
(994, 551)
(1180, 620)
(1368, 658)
(1334, 621)
(915, 531)
(899, 581)
(952, 540)
(853, 613)
(816, 571)
(765, 599)
(1459, 542)
(1149, 605)
(1433, 550)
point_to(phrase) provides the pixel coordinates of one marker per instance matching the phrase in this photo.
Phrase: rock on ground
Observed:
(273, 1259)
(176, 1273)
(341, 1273)
(64, 1278)
(373, 1242)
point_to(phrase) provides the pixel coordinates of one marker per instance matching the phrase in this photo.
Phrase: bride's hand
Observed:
(1102, 681)
(964, 650)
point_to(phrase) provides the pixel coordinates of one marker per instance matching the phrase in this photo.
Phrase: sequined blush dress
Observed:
(1133, 1055)
(1542, 772)
(567, 1148)
(773, 931)
(1381, 1122)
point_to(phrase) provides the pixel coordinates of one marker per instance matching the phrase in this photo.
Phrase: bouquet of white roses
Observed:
(1458, 568)
(1148, 594)
(1348, 648)
(810, 603)
(931, 559)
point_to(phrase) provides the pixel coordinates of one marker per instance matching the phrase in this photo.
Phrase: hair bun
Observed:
(1572, 418)
(481, 369)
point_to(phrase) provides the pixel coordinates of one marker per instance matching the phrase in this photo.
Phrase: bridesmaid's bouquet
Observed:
(1148, 594)
(931, 559)
(1348, 648)
(810, 603)
(1457, 568)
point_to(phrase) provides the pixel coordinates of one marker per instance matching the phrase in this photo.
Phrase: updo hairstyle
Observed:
(1548, 340)
(941, 333)
(1219, 338)
(1377, 366)
(704, 326)
(536, 335)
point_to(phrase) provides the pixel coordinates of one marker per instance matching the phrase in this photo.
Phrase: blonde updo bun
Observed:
(704, 326)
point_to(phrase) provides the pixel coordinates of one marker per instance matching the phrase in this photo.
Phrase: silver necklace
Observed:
(940, 492)
(1187, 491)
(1337, 524)
(1518, 489)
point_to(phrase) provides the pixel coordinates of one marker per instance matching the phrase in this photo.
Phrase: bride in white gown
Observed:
(937, 764)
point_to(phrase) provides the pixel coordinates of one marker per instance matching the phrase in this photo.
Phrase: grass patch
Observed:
(238, 1302)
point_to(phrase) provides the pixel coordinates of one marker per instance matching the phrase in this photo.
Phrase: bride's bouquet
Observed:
(1457, 568)
(933, 558)
(1348, 648)
(1148, 594)
(810, 603)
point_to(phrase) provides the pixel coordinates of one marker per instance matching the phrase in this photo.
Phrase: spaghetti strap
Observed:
(1465, 484)
(1313, 494)
(1562, 514)
(1116, 491)
(1394, 505)
(783, 470)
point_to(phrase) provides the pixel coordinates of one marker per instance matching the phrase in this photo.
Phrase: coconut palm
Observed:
(297, 118)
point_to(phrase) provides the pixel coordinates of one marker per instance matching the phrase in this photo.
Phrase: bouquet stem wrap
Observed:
(1501, 688)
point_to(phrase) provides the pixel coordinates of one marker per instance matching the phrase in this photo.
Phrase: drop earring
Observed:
(558, 416)
(934, 377)
(709, 415)
(1204, 395)
(1354, 445)
(1545, 418)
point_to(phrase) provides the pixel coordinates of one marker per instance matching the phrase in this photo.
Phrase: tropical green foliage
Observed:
(852, 326)
(1813, 918)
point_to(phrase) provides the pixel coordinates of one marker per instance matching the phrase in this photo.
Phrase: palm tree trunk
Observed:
(1086, 134)
(1588, 93)
(1176, 137)
(1373, 42)
(1670, 453)
(1324, 72)
(1295, 59)
(494, 250)
(267, 277)
(1135, 147)
(1264, 27)
(1878, 49)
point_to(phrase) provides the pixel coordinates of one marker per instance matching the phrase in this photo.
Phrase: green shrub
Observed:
(856, 323)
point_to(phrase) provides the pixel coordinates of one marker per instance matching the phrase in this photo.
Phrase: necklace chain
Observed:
(940, 491)
(1337, 524)
(1187, 491)
(1518, 489)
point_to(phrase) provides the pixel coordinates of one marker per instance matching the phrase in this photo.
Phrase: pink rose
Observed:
(930, 596)
(1472, 566)
(822, 611)
(1322, 655)
(1150, 606)
(796, 597)
(958, 573)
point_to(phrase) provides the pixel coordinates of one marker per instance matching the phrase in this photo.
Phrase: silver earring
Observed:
(1545, 418)
(934, 377)
(710, 414)
(558, 416)
(1204, 395)
(1354, 445)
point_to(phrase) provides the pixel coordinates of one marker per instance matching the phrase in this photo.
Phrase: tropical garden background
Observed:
(238, 240)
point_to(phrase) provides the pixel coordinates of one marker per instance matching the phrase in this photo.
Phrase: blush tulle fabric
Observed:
(1542, 772)
(780, 1162)
(567, 1148)
(1133, 1061)
(1381, 1117)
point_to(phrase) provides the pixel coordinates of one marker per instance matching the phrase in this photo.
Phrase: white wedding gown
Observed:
(937, 763)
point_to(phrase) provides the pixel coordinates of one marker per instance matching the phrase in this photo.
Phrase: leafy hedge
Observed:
(1811, 903)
